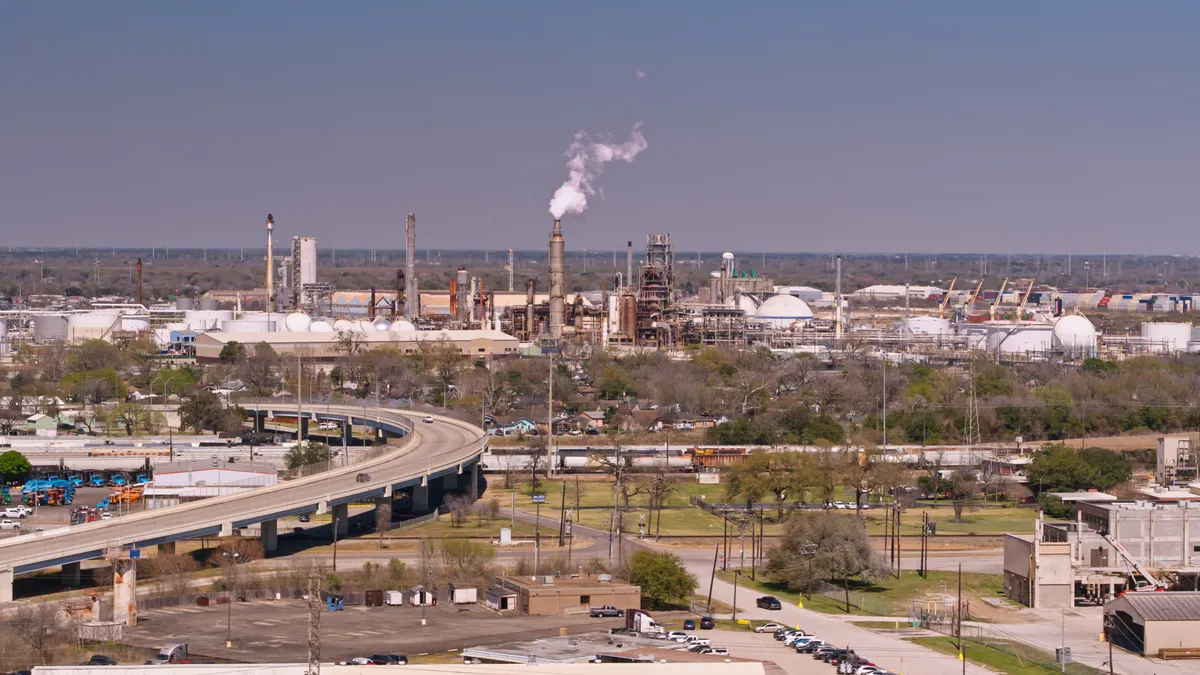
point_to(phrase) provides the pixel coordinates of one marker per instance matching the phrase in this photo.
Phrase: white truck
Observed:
(639, 622)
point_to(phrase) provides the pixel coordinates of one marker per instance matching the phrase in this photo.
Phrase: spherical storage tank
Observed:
(320, 327)
(1169, 336)
(381, 325)
(928, 325)
(342, 325)
(783, 311)
(297, 322)
(401, 326)
(1075, 333)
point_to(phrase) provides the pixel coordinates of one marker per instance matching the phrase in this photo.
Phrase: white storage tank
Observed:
(342, 325)
(927, 325)
(783, 311)
(1019, 338)
(381, 325)
(297, 322)
(1167, 336)
(975, 333)
(248, 326)
(135, 322)
(50, 327)
(320, 326)
(401, 326)
(204, 320)
(1075, 334)
(362, 326)
(92, 325)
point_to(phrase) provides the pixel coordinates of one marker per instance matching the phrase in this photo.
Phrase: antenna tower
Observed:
(972, 431)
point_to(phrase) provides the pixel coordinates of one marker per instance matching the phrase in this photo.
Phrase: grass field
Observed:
(1013, 658)
(886, 597)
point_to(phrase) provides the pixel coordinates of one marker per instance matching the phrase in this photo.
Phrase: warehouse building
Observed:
(570, 595)
(1159, 625)
(325, 347)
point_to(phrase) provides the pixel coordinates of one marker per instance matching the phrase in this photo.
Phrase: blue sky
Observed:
(784, 126)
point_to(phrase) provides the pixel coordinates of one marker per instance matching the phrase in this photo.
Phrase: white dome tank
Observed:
(783, 311)
(363, 326)
(342, 326)
(1074, 332)
(744, 303)
(135, 322)
(297, 322)
(927, 325)
(320, 326)
(401, 326)
(1167, 336)
(381, 325)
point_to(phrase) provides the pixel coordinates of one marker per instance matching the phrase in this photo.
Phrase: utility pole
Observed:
(713, 578)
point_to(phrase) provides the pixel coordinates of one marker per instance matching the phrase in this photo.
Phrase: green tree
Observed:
(13, 466)
(205, 411)
(305, 454)
(662, 577)
(1058, 467)
(94, 355)
(823, 545)
(233, 352)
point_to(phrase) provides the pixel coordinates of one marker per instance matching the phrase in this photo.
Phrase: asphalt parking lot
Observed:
(53, 517)
(277, 631)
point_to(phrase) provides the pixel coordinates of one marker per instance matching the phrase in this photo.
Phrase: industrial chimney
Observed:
(371, 307)
(558, 282)
(459, 308)
(139, 286)
(629, 263)
(529, 292)
(412, 299)
(270, 276)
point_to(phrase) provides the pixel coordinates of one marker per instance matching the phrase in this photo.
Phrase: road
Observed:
(446, 447)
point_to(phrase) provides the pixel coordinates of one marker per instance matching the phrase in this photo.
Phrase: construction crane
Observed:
(996, 300)
(971, 300)
(1150, 583)
(946, 299)
(1024, 299)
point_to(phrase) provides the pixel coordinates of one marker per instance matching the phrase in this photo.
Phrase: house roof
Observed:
(1168, 606)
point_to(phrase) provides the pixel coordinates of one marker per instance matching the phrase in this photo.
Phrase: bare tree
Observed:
(39, 626)
(173, 572)
(465, 561)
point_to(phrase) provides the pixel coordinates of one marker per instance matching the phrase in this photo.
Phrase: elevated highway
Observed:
(430, 460)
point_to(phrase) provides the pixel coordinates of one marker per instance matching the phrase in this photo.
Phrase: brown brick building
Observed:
(548, 595)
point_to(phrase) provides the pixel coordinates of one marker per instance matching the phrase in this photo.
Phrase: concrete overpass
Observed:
(432, 459)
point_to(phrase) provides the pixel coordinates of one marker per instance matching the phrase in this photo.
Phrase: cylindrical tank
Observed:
(342, 325)
(260, 316)
(363, 326)
(184, 304)
(248, 326)
(297, 322)
(209, 304)
(202, 320)
(135, 322)
(927, 325)
(1019, 339)
(381, 325)
(401, 326)
(320, 326)
(628, 315)
(50, 327)
(1167, 336)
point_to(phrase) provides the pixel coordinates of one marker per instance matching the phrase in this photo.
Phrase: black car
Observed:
(389, 659)
(707, 623)
(769, 602)
(689, 624)
(100, 660)
(305, 518)
(779, 634)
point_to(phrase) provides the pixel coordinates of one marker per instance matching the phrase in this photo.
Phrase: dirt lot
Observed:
(277, 632)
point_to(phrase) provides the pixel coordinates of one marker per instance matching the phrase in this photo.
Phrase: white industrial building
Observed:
(186, 481)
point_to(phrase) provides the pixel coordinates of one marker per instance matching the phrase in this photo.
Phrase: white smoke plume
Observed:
(585, 162)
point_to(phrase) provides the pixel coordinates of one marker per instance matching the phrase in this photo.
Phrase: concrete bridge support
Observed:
(269, 535)
(72, 575)
(420, 498)
(341, 519)
(125, 591)
(6, 585)
(166, 548)
(473, 477)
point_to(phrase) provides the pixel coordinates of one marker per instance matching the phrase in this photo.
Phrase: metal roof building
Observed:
(1149, 623)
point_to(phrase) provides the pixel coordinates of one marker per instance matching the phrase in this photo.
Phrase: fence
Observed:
(985, 638)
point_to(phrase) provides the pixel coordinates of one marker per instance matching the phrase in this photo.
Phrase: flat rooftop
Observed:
(580, 648)
(581, 582)
(1084, 496)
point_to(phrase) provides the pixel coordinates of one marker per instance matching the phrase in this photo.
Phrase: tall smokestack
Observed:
(139, 288)
(412, 301)
(464, 294)
(398, 307)
(558, 281)
(629, 263)
(837, 298)
(529, 292)
(371, 308)
(270, 273)
(510, 271)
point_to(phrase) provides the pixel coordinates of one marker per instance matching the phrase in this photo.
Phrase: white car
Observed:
(106, 516)
(677, 636)
(12, 513)
(327, 425)
(715, 651)
(768, 627)
(7, 524)
(428, 419)
(22, 509)
(693, 640)
(867, 670)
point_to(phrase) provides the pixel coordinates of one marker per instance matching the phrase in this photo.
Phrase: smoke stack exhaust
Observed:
(629, 263)
(558, 282)
(270, 272)
(412, 299)
(139, 286)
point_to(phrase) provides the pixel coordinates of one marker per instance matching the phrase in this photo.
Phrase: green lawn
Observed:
(993, 520)
(1013, 658)
(886, 597)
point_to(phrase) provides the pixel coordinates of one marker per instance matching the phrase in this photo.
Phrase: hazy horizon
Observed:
(850, 127)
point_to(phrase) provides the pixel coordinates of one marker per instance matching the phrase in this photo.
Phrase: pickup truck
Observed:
(7, 524)
(605, 611)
